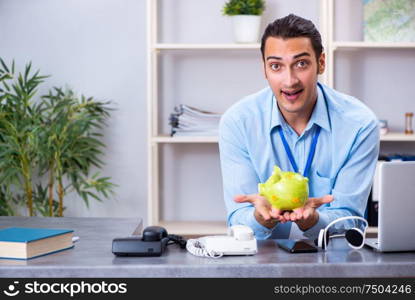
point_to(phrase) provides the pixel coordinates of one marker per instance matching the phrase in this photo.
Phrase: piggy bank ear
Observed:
(277, 171)
(261, 189)
(306, 179)
(275, 176)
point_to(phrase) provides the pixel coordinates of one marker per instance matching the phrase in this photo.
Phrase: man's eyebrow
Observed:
(301, 54)
(294, 57)
(274, 57)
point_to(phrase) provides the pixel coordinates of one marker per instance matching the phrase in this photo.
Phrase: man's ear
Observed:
(321, 63)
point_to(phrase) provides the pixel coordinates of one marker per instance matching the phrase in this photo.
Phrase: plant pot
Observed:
(246, 28)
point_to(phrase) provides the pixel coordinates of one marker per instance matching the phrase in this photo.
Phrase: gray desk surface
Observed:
(92, 257)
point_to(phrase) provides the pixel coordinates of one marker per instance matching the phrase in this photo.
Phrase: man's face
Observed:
(291, 69)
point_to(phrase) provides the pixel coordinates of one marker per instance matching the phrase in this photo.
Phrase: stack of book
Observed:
(187, 120)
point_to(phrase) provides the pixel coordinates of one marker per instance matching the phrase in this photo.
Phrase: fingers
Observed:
(275, 212)
(299, 214)
(264, 212)
(317, 202)
(286, 215)
(306, 214)
(267, 212)
(247, 198)
(240, 198)
(262, 206)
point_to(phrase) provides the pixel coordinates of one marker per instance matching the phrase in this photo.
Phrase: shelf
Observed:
(194, 227)
(165, 46)
(184, 139)
(397, 137)
(372, 45)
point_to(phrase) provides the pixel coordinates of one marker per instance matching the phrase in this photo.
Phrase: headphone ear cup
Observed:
(320, 239)
(355, 237)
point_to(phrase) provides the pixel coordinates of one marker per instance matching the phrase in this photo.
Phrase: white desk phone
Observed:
(240, 240)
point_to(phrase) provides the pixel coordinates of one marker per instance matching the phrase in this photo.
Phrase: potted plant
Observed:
(50, 145)
(246, 19)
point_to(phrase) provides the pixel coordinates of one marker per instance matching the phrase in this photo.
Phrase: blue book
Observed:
(27, 243)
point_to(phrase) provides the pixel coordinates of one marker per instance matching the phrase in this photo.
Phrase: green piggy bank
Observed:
(285, 190)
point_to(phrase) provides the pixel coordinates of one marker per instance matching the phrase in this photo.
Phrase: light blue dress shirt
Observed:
(344, 162)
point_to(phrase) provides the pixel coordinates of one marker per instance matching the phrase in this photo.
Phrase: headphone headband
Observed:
(346, 218)
(324, 237)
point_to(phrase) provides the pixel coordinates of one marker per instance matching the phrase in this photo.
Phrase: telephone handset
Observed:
(240, 240)
(154, 233)
(152, 242)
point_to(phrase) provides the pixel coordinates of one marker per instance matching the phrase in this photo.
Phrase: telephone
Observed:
(152, 242)
(240, 240)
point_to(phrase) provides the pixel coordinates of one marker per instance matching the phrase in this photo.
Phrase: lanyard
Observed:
(310, 154)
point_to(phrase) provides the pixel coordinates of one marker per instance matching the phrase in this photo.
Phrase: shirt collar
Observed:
(319, 116)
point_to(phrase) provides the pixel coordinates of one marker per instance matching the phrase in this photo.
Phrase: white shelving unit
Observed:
(327, 24)
(332, 46)
(155, 139)
(154, 49)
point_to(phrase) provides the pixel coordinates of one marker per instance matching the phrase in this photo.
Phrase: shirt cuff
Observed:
(323, 221)
(261, 232)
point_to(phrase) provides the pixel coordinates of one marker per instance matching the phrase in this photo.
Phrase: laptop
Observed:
(396, 221)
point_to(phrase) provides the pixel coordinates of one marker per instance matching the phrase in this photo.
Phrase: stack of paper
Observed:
(187, 120)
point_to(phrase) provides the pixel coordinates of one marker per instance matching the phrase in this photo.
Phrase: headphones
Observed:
(354, 236)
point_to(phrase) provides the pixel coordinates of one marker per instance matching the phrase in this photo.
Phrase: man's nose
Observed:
(290, 79)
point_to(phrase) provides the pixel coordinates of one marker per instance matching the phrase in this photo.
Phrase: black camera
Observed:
(152, 242)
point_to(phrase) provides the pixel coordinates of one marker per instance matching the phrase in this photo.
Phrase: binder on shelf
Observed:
(191, 121)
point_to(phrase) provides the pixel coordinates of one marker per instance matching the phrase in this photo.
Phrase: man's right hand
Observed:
(263, 209)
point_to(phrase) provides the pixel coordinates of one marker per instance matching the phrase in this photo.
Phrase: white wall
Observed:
(97, 47)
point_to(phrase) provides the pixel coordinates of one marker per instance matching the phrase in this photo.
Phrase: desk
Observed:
(92, 257)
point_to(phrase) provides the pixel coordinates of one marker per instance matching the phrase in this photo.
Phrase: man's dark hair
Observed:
(293, 26)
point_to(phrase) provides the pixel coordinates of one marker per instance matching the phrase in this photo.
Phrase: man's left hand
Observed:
(306, 216)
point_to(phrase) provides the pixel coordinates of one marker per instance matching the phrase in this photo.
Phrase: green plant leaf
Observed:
(3, 64)
(243, 7)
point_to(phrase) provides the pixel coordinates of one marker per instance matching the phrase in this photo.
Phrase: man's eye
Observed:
(302, 64)
(275, 67)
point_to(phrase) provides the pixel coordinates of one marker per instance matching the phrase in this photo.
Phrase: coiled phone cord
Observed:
(195, 247)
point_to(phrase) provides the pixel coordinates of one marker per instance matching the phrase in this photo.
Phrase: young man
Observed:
(279, 126)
